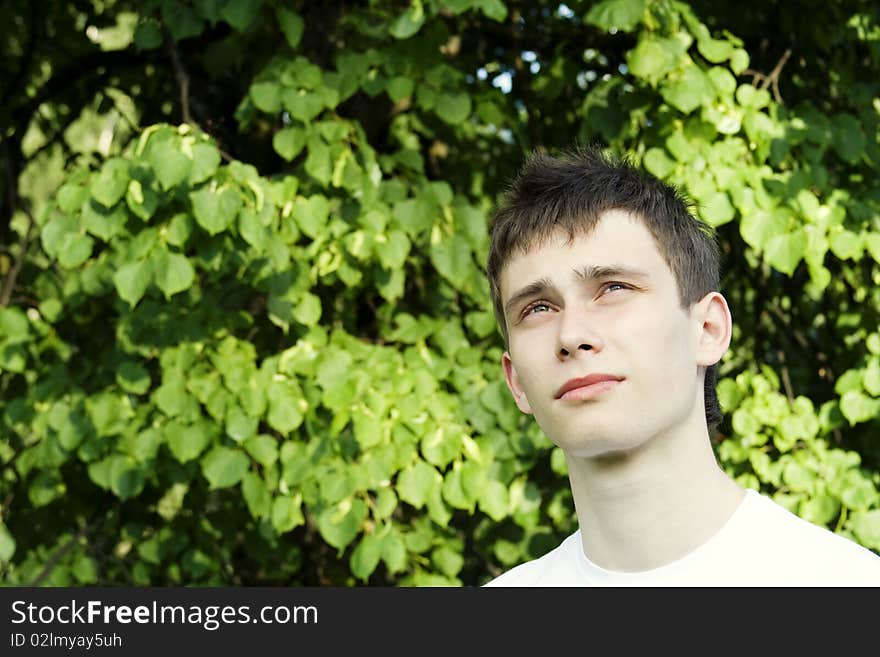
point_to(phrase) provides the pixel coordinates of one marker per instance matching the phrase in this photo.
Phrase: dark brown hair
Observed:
(572, 192)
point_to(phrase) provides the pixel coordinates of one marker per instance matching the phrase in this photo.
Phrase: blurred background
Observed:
(245, 334)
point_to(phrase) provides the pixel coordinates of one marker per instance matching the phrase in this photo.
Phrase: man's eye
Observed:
(536, 308)
(612, 287)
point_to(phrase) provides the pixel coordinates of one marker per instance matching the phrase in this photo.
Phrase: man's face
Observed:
(601, 350)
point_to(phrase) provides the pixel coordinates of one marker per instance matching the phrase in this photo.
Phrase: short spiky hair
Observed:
(572, 192)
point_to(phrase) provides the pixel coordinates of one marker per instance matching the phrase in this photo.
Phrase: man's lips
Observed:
(587, 386)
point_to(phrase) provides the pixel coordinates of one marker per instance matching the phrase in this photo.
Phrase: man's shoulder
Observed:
(556, 568)
(789, 543)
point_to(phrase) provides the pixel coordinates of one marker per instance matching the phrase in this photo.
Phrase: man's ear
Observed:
(513, 384)
(714, 326)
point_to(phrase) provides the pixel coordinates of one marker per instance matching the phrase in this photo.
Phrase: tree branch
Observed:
(64, 549)
(179, 73)
(770, 79)
(11, 277)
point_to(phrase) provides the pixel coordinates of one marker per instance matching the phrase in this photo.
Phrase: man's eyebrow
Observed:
(598, 272)
(533, 289)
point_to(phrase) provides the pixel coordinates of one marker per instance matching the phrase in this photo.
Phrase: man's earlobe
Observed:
(513, 384)
(715, 326)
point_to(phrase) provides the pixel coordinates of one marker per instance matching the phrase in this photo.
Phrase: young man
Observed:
(606, 291)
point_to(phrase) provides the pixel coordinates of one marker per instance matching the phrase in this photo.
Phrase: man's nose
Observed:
(577, 333)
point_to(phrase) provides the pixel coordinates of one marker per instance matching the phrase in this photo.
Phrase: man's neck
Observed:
(653, 505)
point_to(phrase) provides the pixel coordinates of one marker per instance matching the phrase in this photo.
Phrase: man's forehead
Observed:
(618, 241)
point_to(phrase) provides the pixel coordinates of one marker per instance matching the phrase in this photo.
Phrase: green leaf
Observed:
(858, 407)
(287, 513)
(286, 406)
(390, 284)
(215, 211)
(301, 104)
(715, 50)
(206, 161)
(70, 197)
(339, 524)
(414, 215)
(109, 412)
(133, 377)
(848, 138)
(14, 325)
(447, 560)
(689, 91)
(494, 500)
(453, 107)
(266, 96)
(263, 449)
(7, 544)
(749, 96)
(415, 483)
(103, 223)
(368, 430)
(173, 272)
(179, 229)
(872, 377)
(241, 13)
(494, 9)
(819, 510)
(409, 22)
(798, 477)
(758, 227)
(365, 557)
(872, 243)
(256, 495)
(127, 476)
(186, 442)
(142, 201)
(75, 250)
(291, 25)
(621, 15)
(845, 244)
(311, 214)
(308, 310)
(289, 142)
(170, 165)
(784, 252)
(739, 61)
(239, 425)
(45, 488)
(717, 209)
(132, 280)
(171, 502)
(394, 551)
(658, 162)
(109, 186)
(386, 503)
(318, 164)
(866, 527)
(181, 20)
(119, 473)
(654, 57)
(252, 229)
(452, 258)
(224, 466)
(147, 36)
(442, 445)
(393, 249)
(399, 88)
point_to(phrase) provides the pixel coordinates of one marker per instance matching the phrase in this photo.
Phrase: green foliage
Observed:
(245, 337)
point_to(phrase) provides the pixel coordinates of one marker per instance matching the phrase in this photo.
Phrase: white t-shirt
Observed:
(762, 544)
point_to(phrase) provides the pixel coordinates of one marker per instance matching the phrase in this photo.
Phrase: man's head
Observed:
(570, 196)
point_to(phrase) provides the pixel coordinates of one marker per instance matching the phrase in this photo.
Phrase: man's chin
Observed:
(600, 446)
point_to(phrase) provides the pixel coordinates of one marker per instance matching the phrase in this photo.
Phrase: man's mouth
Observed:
(588, 386)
